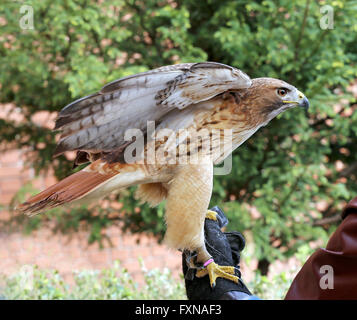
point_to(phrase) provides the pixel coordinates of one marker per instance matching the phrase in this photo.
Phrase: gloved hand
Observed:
(225, 248)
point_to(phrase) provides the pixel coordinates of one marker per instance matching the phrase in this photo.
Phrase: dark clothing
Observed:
(331, 273)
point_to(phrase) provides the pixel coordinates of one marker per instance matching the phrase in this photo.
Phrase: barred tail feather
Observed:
(74, 187)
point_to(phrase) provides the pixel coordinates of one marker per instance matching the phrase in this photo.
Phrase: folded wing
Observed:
(97, 123)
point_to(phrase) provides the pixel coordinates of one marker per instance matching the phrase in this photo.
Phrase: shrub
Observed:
(116, 283)
(33, 283)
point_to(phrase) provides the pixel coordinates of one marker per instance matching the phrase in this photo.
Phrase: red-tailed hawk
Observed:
(189, 108)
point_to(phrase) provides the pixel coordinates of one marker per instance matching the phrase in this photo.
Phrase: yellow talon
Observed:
(212, 215)
(214, 271)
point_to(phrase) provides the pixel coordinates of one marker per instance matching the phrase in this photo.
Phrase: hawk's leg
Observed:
(187, 203)
(186, 209)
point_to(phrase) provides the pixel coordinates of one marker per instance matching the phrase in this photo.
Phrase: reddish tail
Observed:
(71, 188)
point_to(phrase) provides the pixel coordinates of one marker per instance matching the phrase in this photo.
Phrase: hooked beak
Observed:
(302, 102)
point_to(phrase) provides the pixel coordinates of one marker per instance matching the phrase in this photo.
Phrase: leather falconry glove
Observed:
(225, 248)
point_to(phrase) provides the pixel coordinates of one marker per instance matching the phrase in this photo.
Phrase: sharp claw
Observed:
(214, 271)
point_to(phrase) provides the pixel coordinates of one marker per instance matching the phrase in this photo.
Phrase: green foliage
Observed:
(115, 283)
(270, 289)
(284, 171)
(108, 284)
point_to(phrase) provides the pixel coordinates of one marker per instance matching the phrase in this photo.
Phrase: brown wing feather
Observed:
(97, 123)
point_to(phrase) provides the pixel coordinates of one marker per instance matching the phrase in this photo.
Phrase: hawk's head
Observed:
(272, 96)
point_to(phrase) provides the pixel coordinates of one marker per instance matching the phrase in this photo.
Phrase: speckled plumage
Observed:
(202, 97)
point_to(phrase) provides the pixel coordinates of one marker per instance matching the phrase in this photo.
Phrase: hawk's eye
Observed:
(282, 92)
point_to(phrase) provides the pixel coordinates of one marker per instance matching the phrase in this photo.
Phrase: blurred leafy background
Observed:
(289, 181)
(114, 283)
